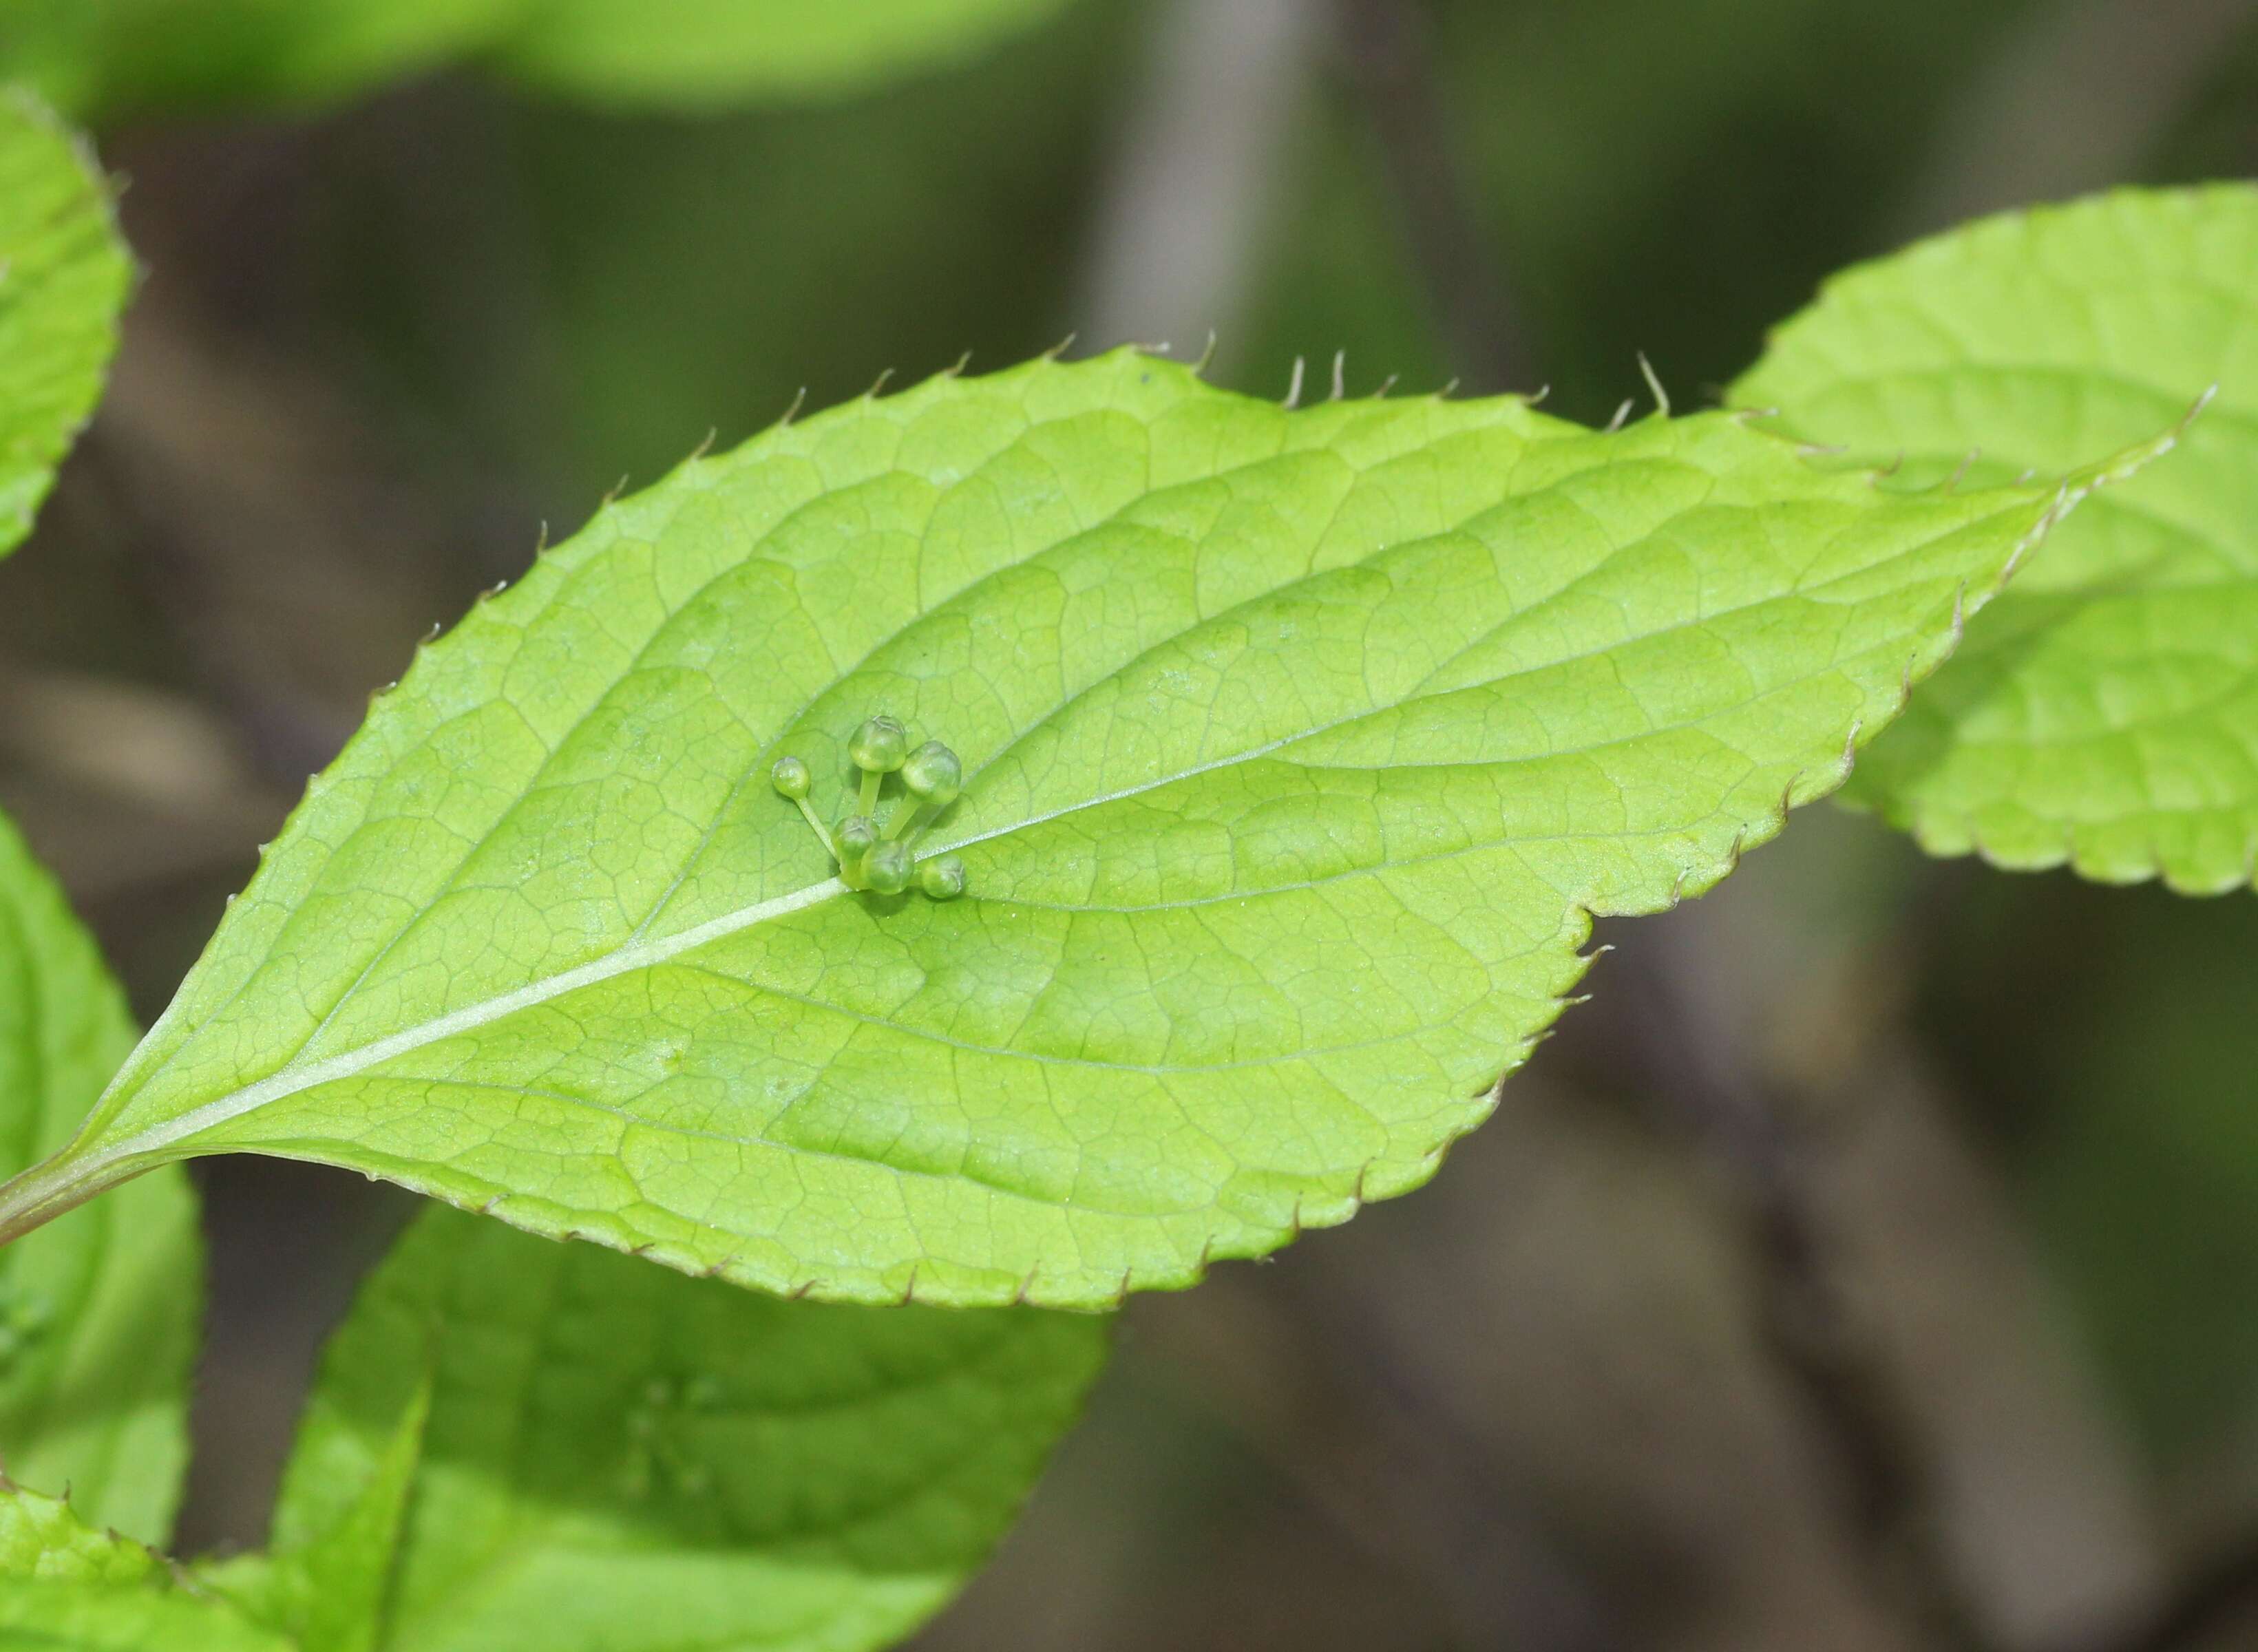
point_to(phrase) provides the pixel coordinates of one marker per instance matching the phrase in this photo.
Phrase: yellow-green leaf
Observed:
(1299, 750)
(98, 1310)
(602, 1457)
(2107, 714)
(63, 277)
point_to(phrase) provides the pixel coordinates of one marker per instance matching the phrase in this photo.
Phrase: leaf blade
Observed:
(43, 1538)
(87, 1617)
(618, 1457)
(2103, 716)
(63, 278)
(101, 1306)
(1301, 747)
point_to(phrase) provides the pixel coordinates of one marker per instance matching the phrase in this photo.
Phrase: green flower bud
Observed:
(886, 868)
(933, 774)
(852, 838)
(879, 745)
(943, 878)
(790, 777)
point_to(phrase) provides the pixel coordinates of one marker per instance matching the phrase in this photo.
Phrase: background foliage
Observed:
(379, 344)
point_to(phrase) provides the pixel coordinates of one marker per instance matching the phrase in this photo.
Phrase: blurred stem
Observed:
(2217, 1596)
(1183, 214)
(2127, 68)
(1390, 64)
(1812, 1328)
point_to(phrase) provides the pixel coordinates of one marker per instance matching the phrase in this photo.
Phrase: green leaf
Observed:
(89, 1617)
(98, 1310)
(325, 1583)
(63, 278)
(709, 54)
(2107, 714)
(619, 1459)
(42, 1537)
(1300, 749)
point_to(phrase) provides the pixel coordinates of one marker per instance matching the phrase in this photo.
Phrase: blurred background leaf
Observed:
(103, 59)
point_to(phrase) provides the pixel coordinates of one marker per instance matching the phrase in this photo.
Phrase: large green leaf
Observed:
(615, 1458)
(63, 276)
(93, 1617)
(716, 53)
(328, 1580)
(98, 1310)
(43, 1537)
(2107, 714)
(1301, 748)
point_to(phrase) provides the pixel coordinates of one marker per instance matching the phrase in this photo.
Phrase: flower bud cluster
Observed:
(871, 857)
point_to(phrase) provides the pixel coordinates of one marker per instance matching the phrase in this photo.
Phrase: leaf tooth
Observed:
(1654, 384)
(792, 412)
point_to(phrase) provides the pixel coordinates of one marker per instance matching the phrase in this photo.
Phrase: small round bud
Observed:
(886, 868)
(853, 837)
(790, 777)
(943, 878)
(879, 745)
(932, 773)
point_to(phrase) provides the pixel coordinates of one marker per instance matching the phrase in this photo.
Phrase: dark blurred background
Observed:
(1873, 1262)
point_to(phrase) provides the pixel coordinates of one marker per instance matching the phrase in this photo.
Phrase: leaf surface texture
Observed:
(89, 1617)
(609, 1457)
(63, 278)
(43, 1537)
